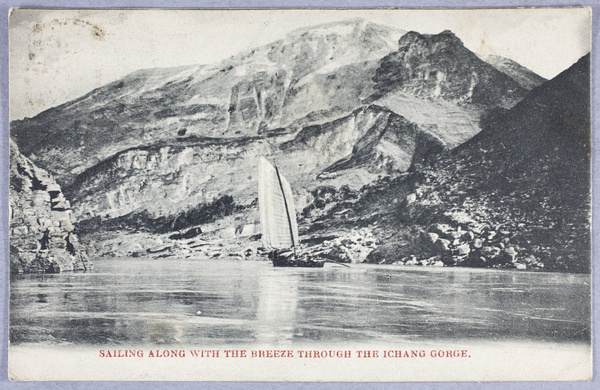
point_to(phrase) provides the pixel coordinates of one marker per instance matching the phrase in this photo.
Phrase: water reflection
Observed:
(179, 302)
(277, 307)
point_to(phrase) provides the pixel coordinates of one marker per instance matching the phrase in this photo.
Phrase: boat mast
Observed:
(287, 210)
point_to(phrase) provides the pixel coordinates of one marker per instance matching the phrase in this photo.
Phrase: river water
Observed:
(130, 301)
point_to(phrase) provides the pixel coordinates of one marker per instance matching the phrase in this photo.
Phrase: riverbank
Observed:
(460, 244)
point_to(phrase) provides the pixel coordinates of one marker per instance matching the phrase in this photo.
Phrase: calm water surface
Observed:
(128, 301)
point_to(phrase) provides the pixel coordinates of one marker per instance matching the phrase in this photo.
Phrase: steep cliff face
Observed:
(372, 139)
(168, 178)
(41, 224)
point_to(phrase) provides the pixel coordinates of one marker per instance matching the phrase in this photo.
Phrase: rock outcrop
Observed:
(435, 82)
(516, 195)
(41, 224)
(440, 66)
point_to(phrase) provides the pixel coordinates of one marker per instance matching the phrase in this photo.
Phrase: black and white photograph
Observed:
(300, 194)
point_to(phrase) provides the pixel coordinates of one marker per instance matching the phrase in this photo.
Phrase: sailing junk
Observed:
(278, 218)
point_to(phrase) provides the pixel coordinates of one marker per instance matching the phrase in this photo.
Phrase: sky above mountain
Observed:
(59, 55)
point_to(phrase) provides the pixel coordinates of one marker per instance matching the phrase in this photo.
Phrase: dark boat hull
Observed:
(292, 260)
(297, 263)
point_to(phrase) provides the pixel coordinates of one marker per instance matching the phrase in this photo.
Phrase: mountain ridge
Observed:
(517, 195)
(160, 149)
(525, 77)
(247, 93)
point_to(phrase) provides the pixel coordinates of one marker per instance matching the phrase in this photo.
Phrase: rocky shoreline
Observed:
(465, 245)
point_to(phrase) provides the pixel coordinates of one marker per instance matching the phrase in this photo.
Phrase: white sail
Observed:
(276, 205)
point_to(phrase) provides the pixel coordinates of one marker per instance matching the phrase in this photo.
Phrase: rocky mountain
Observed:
(437, 83)
(308, 77)
(440, 66)
(41, 225)
(516, 195)
(171, 154)
(525, 77)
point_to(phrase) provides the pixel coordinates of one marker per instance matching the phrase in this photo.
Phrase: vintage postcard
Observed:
(300, 195)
